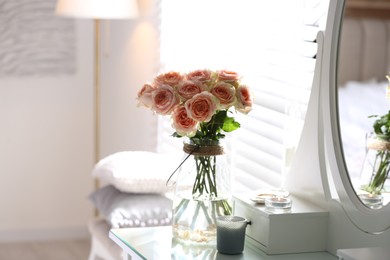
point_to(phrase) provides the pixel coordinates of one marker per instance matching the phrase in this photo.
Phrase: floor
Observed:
(53, 250)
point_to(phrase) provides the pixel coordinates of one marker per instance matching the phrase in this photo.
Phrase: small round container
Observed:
(278, 204)
(262, 195)
(373, 201)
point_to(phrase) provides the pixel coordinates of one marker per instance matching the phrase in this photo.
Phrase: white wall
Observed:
(47, 129)
(46, 150)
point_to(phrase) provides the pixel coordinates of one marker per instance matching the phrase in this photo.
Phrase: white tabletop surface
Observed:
(157, 243)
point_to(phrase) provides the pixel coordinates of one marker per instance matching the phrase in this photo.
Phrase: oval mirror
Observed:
(362, 85)
(339, 182)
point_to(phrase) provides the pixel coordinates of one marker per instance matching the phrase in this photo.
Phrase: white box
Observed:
(303, 229)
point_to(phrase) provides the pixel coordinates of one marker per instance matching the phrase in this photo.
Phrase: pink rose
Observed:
(225, 93)
(227, 75)
(202, 106)
(203, 76)
(164, 100)
(244, 96)
(171, 78)
(187, 89)
(144, 96)
(184, 125)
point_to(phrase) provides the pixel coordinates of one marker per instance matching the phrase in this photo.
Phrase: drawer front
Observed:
(258, 230)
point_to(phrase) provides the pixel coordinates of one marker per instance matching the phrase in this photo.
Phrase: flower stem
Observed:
(380, 174)
(205, 181)
(205, 184)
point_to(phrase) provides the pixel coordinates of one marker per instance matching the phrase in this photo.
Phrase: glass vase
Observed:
(202, 193)
(376, 166)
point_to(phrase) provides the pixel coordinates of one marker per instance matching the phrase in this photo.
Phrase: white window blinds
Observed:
(272, 44)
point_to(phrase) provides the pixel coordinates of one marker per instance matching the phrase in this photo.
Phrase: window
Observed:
(270, 43)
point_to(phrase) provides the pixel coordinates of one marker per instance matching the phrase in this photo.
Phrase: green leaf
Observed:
(219, 118)
(175, 134)
(230, 124)
(382, 126)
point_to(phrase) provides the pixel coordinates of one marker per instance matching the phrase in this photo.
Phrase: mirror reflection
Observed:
(364, 103)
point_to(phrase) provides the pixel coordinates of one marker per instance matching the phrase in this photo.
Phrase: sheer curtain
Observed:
(272, 44)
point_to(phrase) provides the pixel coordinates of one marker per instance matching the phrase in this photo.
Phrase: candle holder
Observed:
(278, 204)
(374, 201)
(231, 234)
(261, 195)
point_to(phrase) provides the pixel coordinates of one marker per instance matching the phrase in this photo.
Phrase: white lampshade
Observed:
(98, 9)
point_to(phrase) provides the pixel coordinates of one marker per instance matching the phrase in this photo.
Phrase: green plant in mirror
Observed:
(381, 143)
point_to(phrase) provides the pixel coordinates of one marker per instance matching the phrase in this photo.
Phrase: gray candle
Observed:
(231, 234)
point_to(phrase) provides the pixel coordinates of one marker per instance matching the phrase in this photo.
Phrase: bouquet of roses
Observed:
(199, 102)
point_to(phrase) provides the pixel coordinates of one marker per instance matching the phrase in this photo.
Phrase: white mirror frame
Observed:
(333, 168)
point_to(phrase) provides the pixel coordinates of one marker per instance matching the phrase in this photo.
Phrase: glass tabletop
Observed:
(157, 243)
(144, 243)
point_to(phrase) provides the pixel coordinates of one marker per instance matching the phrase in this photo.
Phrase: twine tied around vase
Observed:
(200, 150)
(203, 150)
(379, 145)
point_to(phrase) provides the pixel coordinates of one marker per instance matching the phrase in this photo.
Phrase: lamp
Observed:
(97, 10)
